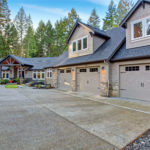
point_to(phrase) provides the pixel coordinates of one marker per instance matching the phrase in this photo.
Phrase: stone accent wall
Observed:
(104, 89)
(74, 79)
(114, 89)
(55, 78)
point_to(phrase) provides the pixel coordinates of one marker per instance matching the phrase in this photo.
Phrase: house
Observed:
(109, 63)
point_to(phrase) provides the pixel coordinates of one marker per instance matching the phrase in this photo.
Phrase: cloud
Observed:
(54, 11)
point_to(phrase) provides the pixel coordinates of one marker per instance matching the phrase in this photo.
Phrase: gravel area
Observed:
(142, 143)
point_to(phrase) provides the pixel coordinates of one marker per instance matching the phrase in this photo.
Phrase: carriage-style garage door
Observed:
(135, 81)
(65, 79)
(88, 80)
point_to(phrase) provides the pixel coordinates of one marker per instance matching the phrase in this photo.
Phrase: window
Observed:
(147, 68)
(38, 75)
(62, 71)
(138, 27)
(84, 43)
(74, 46)
(93, 69)
(132, 68)
(79, 45)
(5, 75)
(148, 26)
(68, 71)
(49, 74)
(82, 70)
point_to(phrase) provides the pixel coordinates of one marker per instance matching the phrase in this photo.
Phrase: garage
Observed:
(65, 79)
(88, 80)
(135, 82)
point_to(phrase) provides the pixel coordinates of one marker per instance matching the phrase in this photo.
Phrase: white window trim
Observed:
(144, 29)
(49, 71)
(5, 75)
(36, 72)
(76, 41)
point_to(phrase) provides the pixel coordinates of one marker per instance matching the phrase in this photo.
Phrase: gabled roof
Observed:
(136, 6)
(95, 31)
(104, 52)
(133, 53)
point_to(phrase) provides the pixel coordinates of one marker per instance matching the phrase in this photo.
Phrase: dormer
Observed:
(137, 24)
(84, 40)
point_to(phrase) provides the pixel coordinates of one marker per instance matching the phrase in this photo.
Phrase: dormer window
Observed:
(80, 44)
(140, 28)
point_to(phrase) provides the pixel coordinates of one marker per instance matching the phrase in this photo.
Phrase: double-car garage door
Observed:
(135, 81)
(87, 80)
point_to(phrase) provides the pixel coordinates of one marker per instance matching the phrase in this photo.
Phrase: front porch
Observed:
(10, 68)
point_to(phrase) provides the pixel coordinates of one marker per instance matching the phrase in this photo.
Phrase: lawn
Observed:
(11, 86)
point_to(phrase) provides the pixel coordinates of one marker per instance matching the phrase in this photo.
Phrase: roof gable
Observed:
(131, 12)
(91, 29)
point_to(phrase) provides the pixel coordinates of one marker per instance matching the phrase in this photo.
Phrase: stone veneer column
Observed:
(74, 79)
(55, 78)
(114, 89)
(104, 81)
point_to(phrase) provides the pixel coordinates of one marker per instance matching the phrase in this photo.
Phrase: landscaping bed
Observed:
(141, 143)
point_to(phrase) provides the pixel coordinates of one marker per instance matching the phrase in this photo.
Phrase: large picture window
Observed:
(38, 75)
(84, 43)
(74, 46)
(79, 45)
(49, 74)
(5, 75)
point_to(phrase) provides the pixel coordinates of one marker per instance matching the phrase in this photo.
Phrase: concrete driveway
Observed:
(53, 120)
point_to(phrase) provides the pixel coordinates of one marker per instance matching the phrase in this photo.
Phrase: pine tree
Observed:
(29, 22)
(73, 17)
(4, 13)
(124, 6)
(61, 34)
(30, 43)
(109, 20)
(21, 26)
(40, 39)
(2, 46)
(94, 19)
(49, 38)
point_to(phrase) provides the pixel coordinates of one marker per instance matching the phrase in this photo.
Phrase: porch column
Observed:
(21, 77)
(0, 71)
(74, 79)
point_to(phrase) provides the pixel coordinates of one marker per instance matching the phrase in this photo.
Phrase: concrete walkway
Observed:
(80, 122)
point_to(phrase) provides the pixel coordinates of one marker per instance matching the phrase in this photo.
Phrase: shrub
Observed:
(39, 86)
(17, 80)
(4, 81)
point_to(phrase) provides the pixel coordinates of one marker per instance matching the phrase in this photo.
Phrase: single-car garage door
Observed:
(88, 80)
(65, 79)
(135, 82)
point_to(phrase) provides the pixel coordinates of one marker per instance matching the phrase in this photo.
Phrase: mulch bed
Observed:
(141, 143)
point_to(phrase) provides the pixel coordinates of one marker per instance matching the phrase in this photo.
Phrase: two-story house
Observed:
(109, 63)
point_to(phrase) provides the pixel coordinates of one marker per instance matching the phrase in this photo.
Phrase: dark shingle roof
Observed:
(95, 31)
(134, 53)
(104, 52)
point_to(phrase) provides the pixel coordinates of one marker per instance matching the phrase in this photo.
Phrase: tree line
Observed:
(18, 36)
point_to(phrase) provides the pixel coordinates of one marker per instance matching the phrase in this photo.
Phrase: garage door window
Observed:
(147, 68)
(62, 71)
(68, 71)
(93, 69)
(132, 68)
(82, 70)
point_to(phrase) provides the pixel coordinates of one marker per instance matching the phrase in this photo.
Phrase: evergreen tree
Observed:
(61, 34)
(2, 46)
(109, 20)
(4, 13)
(30, 43)
(49, 38)
(94, 19)
(29, 22)
(21, 26)
(11, 39)
(124, 6)
(73, 17)
(40, 39)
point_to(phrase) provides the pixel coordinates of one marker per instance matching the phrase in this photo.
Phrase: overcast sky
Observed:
(56, 9)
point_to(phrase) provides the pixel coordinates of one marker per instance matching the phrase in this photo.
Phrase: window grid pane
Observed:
(138, 30)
